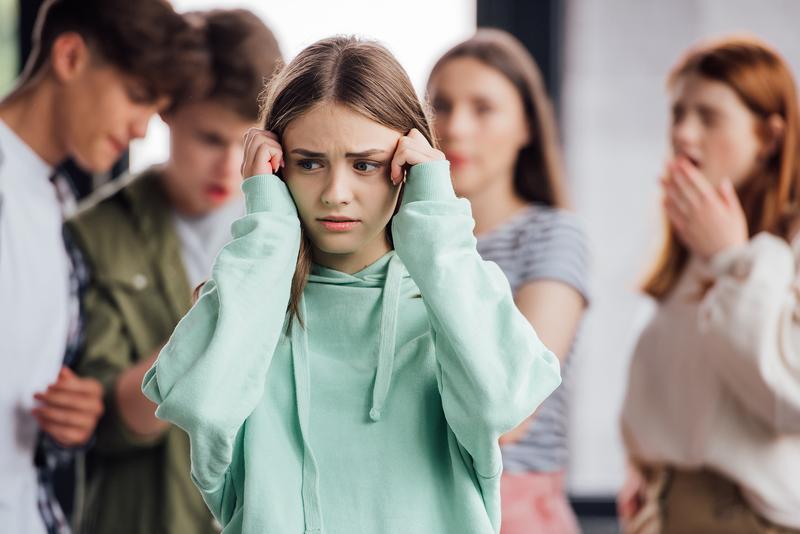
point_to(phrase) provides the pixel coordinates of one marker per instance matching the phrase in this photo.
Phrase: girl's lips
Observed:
(217, 193)
(338, 225)
(692, 160)
(457, 160)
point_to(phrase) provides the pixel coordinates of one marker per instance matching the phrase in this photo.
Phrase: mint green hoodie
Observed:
(381, 414)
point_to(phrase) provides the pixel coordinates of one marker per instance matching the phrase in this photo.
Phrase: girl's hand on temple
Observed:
(708, 220)
(412, 149)
(262, 153)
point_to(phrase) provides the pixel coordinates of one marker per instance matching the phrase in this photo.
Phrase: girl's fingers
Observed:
(698, 184)
(398, 161)
(412, 149)
(406, 156)
(262, 153)
(249, 137)
(247, 151)
(416, 135)
(271, 135)
(683, 189)
(259, 154)
(676, 199)
(275, 162)
(676, 217)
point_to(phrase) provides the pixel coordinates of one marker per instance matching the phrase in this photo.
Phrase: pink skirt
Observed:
(536, 503)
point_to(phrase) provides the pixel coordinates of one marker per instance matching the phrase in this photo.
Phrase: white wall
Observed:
(615, 123)
(416, 31)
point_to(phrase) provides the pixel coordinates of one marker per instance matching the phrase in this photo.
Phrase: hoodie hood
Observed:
(387, 272)
(374, 275)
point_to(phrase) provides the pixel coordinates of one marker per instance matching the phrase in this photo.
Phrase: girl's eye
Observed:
(709, 118)
(440, 106)
(677, 114)
(366, 166)
(308, 164)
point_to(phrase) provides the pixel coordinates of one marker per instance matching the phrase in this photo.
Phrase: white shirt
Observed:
(202, 238)
(34, 318)
(715, 379)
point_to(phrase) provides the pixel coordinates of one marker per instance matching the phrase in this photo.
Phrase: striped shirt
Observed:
(541, 243)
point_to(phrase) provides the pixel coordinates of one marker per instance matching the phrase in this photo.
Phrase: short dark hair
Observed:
(242, 55)
(144, 39)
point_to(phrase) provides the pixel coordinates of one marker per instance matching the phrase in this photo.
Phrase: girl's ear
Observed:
(774, 131)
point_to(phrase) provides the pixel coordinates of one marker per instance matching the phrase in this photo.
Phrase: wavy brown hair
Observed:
(538, 173)
(770, 196)
(361, 75)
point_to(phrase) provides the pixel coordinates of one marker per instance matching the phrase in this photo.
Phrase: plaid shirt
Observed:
(49, 454)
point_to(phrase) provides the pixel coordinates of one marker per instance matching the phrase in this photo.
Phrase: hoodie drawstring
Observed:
(389, 308)
(302, 377)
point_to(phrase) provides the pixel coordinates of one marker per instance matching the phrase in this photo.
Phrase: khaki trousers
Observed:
(696, 502)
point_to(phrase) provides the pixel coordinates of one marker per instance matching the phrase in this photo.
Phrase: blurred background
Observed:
(605, 63)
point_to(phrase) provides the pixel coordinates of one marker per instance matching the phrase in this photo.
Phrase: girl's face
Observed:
(714, 130)
(480, 121)
(337, 170)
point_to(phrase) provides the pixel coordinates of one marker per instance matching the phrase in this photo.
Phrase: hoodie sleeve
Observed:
(211, 374)
(751, 317)
(493, 369)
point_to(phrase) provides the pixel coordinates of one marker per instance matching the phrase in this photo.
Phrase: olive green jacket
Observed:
(137, 293)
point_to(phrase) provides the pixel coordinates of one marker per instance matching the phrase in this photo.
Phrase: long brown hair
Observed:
(359, 74)
(771, 195)
(538, 173)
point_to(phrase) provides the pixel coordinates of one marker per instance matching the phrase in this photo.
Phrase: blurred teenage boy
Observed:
(98, 71)
(147, 245)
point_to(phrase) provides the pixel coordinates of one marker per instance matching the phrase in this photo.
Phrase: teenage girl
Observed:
(496, 126)
(712, 415)
(352, 362)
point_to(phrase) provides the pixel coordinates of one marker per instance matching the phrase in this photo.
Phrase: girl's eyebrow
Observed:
(307, 153)
(363, 154)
